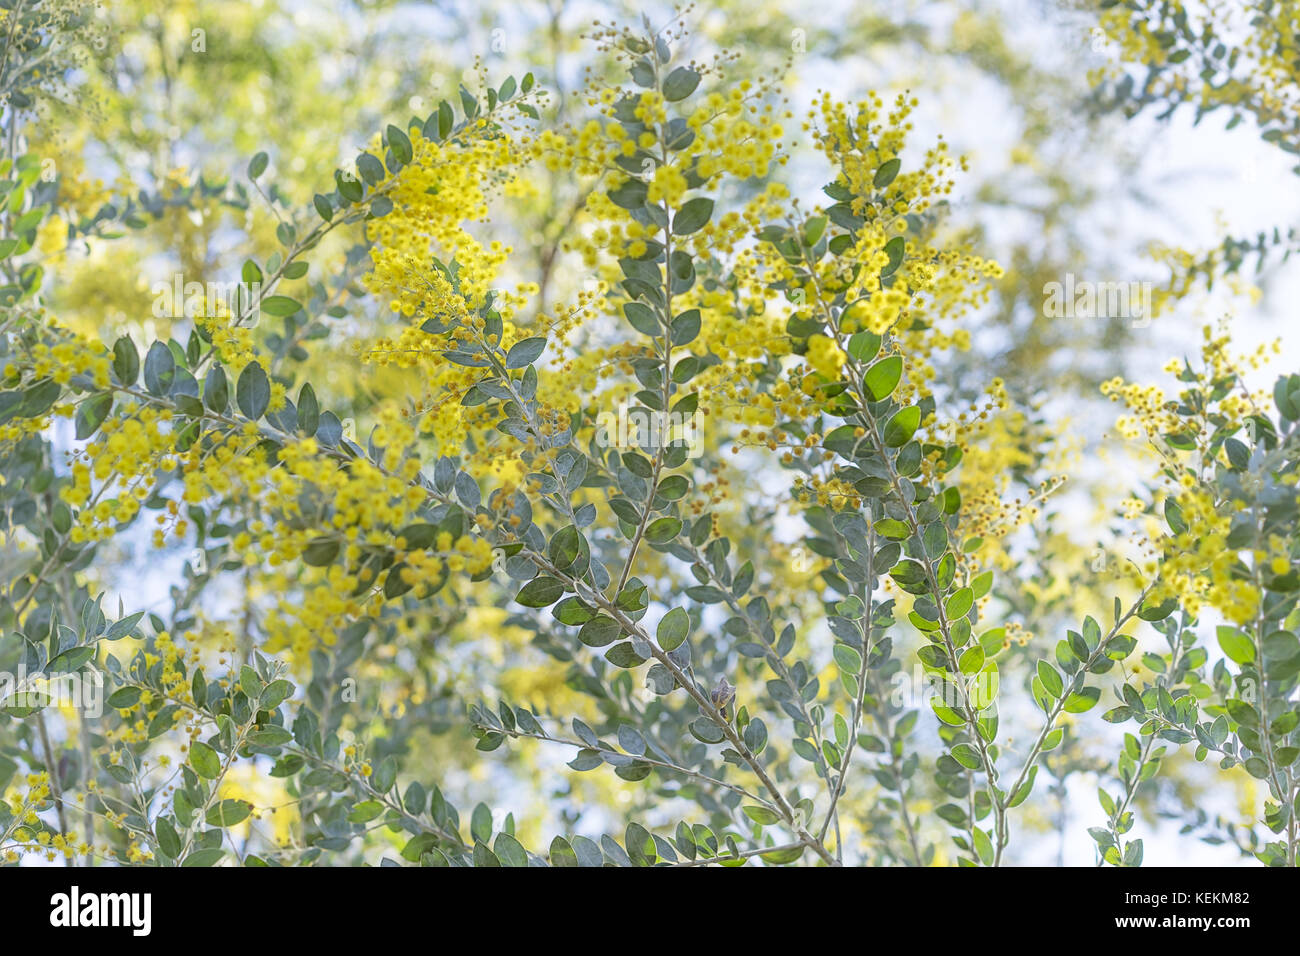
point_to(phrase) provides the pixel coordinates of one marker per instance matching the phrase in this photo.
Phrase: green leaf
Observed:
(763, 816)
(366, 811)
(673, 487)
(168, 840)
(122, 627)
(894, 248)
(280, 305)
(1082, 700)
(693, 216)
(1158, 612)
(971, 660)
(572, 611)
(480, 823)
(320, 552)
(565, 546)
(882, 378)
(509, 851)
(663, 529)
(1239, 648)
(706, 731)
(673, 628)
(642, 318)
(308, 410)
(779, 857)
(886, 173)
(207, 857)
(1280, 646)
(623, 655)
(686, 327)
(630, 739)
(227, 813)
(600, 631)
(864, 346)
(541, 591)
(1052, 682)
(847, 658)
(900, 429)
(204, 760)
(562, 854)
(628, 195)
(216, 393)
(126, 361)
(91, 414)
(447, 118)
(124, 697)
(680, 83)
(274, 694)
(400, 144)
(959, 604)
(271, 737)
(525, 352)
(253, 391)
(257, 165)
(1133, 854)
(30, 219)
(946, 714)
(159, 369)
(813, 230)
(1022, 794)
(370, 168)
(967, 756)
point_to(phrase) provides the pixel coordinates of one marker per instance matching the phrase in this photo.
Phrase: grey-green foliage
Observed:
(1242, 710)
